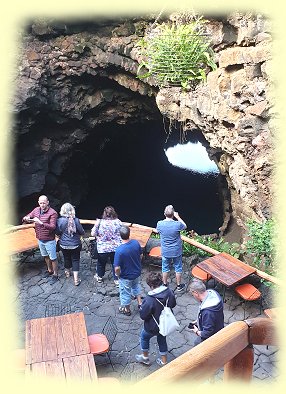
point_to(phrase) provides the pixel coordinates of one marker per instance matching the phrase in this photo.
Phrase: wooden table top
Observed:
(21, 240)
(76, 367)
(141, 234)
(52, 338)
(226, 269)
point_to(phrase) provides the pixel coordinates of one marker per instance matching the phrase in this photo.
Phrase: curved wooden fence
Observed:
(230, 348)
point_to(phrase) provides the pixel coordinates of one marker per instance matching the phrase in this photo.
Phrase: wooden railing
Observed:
(230, 348)
(191, 241)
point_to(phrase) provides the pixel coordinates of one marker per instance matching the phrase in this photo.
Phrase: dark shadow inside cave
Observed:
(132, 173)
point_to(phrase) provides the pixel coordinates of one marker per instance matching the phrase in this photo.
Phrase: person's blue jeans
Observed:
(127, 289)
(145, 342)
(177, 261)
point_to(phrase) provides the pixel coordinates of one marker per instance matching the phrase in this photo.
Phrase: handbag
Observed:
(93, 246)
(167, 321)
(58, 248)
(93, 249)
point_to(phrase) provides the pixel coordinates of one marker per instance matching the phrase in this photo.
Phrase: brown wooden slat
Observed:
(92, 367)
(79, 367)
(80, 334)
(36, 341)
(49, 343)
(237, 262)
(53, 368)
(39, 369)
(28, 342)
(64, 336)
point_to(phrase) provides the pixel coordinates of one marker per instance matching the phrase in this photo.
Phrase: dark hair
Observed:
(124, 232)
(109, 213)
(154, 279)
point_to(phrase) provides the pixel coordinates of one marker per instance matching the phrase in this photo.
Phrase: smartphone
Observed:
(191, 325)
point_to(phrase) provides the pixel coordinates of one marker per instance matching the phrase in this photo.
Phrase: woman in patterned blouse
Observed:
(106, 231)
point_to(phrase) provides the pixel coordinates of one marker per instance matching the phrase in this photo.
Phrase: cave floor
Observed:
(99, 301)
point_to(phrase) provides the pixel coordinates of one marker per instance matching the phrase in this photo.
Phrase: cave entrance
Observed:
(129, 170)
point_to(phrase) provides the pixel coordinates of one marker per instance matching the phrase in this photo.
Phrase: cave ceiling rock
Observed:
(91, 77)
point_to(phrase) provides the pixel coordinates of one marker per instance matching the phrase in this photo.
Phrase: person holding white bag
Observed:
(150, 311)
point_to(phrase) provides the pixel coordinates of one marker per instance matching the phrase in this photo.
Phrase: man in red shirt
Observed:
(45, 219)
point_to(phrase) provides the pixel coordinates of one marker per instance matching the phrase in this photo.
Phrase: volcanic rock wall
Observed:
(233, 110)
(74, 78)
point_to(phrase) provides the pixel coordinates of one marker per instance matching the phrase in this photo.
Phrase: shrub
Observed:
(177, 54)
(218, 244)
(260, 244)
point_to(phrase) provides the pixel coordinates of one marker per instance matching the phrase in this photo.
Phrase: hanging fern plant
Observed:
(177, 54)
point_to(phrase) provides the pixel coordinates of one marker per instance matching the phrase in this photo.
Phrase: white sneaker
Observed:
(98, 278)
(143, 360)
(160, 362)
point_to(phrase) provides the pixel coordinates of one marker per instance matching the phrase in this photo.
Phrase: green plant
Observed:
(260, 244)
(218, 244)
(177, 54)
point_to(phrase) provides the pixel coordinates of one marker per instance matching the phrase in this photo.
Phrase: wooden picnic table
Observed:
(226, 269)
(52, 338)
(58, 346)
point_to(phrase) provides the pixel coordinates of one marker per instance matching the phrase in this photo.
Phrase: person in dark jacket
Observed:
(69, 231)
(45, 219)
(150, 311)
(210, 317)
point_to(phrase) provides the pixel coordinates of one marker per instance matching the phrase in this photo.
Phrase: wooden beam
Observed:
(262, 331)
(240, 367)
(204, 360)
(268, 277)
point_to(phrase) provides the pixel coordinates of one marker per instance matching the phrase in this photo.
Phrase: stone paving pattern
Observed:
(99, 301)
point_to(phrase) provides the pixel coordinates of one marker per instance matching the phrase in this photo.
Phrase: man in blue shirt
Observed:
(171, 245)
(127, 266)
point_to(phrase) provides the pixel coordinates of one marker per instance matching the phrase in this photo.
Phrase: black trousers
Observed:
(72, 258)
(101, 263)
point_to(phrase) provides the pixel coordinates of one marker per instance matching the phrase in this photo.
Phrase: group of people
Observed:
(125, 254)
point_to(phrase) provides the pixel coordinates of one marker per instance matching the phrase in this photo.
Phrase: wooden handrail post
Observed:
(262, 331)
(241, 366)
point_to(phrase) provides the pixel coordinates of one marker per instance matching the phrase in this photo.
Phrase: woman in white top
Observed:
(106, 231)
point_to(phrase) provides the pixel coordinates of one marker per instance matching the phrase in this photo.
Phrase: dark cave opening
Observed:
(132, 173)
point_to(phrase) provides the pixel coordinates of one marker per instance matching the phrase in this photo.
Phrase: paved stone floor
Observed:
(99, 301)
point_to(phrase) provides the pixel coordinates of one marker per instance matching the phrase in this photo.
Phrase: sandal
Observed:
(124, 311)
(77, 282)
